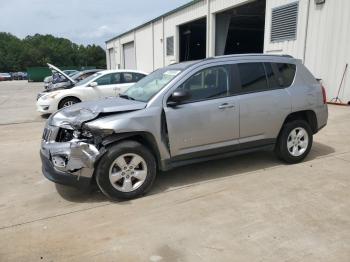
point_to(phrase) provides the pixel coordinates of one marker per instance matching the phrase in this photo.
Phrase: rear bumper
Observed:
(63, 178)
(322, 117)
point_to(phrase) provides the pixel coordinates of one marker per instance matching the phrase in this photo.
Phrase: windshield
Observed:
(75, 75)
(88, 79)
(70, 72)
(150, 85)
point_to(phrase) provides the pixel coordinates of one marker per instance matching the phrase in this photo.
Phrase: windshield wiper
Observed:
(126, 97)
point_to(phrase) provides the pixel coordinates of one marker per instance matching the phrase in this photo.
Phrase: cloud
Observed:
(82, 21)
(99, 32)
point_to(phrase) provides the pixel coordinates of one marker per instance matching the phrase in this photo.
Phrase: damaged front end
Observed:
(68, 157)
(71, 147)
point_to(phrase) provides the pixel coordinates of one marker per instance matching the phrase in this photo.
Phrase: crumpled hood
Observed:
(75, 115)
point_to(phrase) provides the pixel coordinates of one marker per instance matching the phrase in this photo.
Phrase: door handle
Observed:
(226, 105)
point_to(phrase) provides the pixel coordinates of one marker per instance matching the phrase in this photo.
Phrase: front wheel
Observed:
(126, 171)
(295, 141)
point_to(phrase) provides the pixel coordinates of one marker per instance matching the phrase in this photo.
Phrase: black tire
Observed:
(282, 150)
(105, 163)
(66, 100)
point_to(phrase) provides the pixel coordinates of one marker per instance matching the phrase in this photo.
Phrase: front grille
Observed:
(47, 134)
(64, 135)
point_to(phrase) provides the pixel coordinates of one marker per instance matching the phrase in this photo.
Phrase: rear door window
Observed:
(272, 78)
(116, 78)
(286, 73)
(128, 78)
(252, 77)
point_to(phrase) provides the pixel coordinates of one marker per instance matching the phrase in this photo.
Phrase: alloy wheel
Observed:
(128, 172)
(298, 141)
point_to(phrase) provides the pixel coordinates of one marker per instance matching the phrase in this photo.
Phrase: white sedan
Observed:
(103, 84)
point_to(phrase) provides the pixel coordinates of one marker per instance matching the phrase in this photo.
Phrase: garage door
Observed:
(129, 56)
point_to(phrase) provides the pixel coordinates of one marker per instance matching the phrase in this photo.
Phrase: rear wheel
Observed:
(68, 101)
(126, 171)
(295, 141)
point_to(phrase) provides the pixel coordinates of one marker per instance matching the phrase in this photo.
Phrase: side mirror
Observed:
(93, 84)
(178, 96)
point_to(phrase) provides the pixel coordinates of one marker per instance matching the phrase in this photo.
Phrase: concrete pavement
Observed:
(246, 208)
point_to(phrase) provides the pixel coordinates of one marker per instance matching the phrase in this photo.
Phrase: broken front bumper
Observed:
(63, 178)
(68, 163)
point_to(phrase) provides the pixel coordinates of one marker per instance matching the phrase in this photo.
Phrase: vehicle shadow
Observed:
(227, 167)
(198, 173)
(72, 194)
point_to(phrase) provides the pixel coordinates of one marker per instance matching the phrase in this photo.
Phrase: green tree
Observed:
(37, 50)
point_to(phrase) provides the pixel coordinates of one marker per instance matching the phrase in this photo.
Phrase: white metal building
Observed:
(316, 31)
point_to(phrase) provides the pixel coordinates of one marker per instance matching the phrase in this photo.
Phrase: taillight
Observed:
(324, 95)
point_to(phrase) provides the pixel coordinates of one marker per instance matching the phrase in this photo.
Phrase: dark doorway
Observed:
(241, 29)
(193, 40)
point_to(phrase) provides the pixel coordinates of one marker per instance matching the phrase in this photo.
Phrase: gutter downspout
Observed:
(208, 29)
(163, 42)
(121, 49)
(152, 46)
(135, 49)
(306, 30)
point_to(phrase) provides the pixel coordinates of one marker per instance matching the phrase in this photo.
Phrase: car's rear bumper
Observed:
(322, 117)
(63, 178)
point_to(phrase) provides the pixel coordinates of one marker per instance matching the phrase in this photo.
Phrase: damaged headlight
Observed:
(87, 133)
(96, 131)
(82, 134)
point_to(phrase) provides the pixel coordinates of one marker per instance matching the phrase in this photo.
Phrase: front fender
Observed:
(144, 138)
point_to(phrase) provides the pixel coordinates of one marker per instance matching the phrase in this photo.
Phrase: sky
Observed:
(81, 21)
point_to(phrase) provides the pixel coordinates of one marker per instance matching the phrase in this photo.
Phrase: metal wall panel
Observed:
(144, 48)
(158, 44)
(328, 45)
(323, 39)
(111, 57)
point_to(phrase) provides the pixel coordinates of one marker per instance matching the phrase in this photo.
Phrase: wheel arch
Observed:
(144, 138)
(307, 115)
(65, 97)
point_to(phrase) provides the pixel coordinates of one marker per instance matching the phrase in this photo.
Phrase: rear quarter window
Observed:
(286, 73)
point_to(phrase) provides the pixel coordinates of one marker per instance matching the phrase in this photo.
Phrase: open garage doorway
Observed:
(241, 29)
(193, 40)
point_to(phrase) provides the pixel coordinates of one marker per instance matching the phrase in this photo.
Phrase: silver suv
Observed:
(182, 114)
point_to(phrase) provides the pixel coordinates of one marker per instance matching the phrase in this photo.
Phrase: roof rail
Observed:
(252, 54)
(288, 56)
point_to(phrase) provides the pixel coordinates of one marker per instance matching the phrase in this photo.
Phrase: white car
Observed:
(108, 83)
